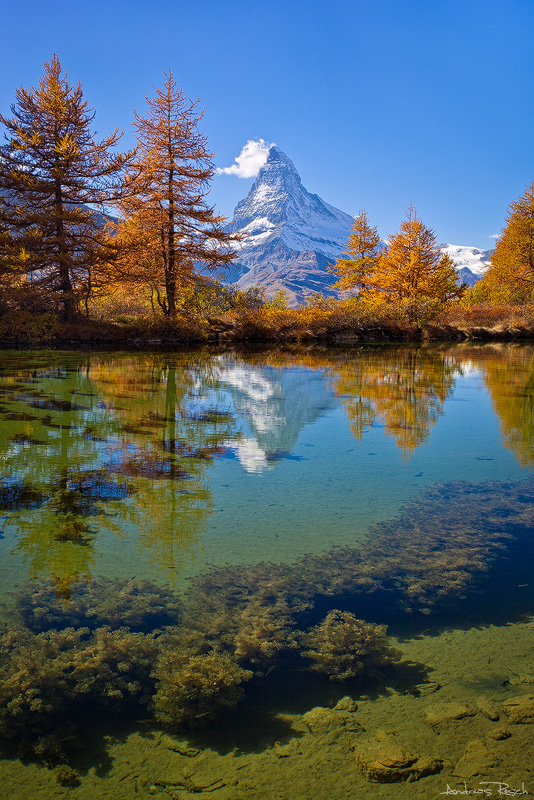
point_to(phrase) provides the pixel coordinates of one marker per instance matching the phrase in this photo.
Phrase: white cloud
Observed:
(249, 161)
(494, 235)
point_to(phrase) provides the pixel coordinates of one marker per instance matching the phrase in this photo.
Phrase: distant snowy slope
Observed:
(469, 261)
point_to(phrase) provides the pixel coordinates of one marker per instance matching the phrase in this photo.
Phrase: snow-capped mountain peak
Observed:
(278, 205)
(291, 237)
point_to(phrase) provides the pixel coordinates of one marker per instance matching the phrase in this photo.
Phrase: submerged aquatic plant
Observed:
(26, 440)
(15, 495)
(45, 676)
(82, 492)
(205, 414)
(137, 605)
(95, 650)
(433, 553)
(344, 647)
(66, 776)
(54, 748)
(131, 641)
(146, 465)
(249, 611)
(192, 688)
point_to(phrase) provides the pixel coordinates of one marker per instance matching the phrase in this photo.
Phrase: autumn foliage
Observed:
(54, 247)
(130, 238)
(358, 266)
(60, 250)
(413, 266)
(510, 278)
(168, 230)
(410, 271)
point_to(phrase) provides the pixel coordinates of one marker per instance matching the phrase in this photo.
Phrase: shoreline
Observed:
(114, 336)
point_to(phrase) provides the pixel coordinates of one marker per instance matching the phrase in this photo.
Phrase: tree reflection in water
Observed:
(403, 389)
(145, 428)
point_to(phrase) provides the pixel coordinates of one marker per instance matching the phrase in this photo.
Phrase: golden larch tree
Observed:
(54, 175)
(510, 277)
(413, 271)
(357, 265)
(170, 232)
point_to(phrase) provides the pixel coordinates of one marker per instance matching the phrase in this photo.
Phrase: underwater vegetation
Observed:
(248, 611)
(26, 440)
(97, 485)
(45, 678)
(53, 404)
(37, 398)
(74, 495)
(344, 647)
(136, 605)
(18, 494)
(116, 643)
(66, 776)
(205, 415)
(81, 492)
(182, 449)
(193, 688)
(94, 652)
(145, 465)
(433, 553)
(19, 416)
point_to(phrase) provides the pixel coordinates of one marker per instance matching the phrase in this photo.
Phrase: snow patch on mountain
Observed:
(477, 261)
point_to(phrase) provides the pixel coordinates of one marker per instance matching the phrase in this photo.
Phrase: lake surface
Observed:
(166, 516)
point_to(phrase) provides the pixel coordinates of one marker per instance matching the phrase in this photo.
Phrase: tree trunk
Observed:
(170, 278)
(69, 305)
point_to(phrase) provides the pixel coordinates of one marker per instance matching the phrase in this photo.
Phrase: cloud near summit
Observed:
(249, 161)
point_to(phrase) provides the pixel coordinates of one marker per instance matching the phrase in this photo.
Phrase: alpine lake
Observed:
(273, 574)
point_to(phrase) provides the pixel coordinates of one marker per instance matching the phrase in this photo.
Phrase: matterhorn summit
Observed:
(292, 237)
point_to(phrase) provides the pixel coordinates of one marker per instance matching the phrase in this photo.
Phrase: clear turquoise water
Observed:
(289, 478)
(389, 482)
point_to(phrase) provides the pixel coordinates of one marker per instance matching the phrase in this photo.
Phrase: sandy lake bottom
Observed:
(477, 731)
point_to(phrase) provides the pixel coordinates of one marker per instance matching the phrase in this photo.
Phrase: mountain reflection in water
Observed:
(129, 445)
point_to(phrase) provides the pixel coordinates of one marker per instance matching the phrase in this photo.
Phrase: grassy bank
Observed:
(335, 323)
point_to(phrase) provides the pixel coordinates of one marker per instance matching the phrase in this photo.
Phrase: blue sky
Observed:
(379, 104)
